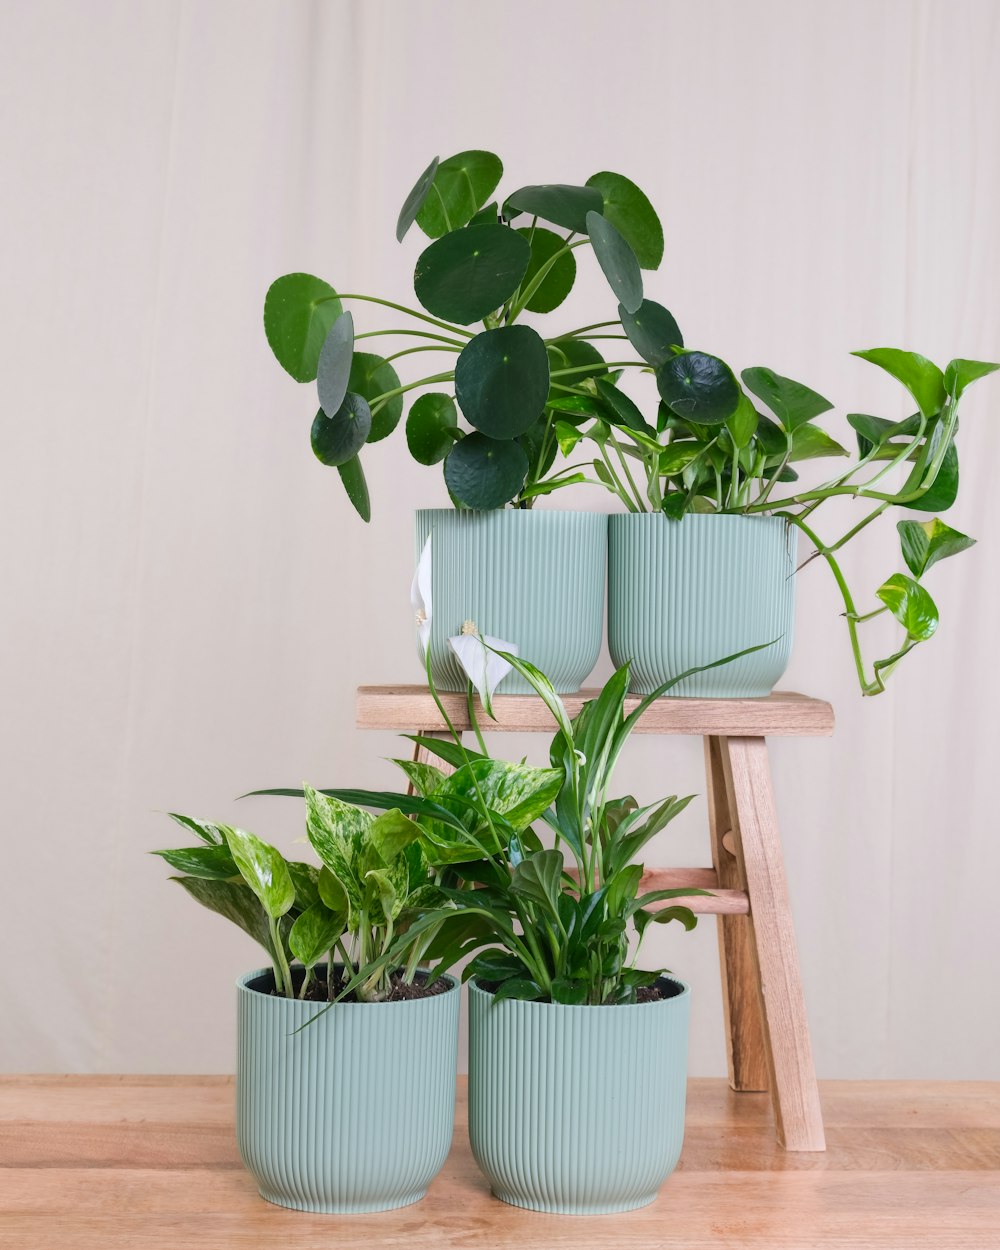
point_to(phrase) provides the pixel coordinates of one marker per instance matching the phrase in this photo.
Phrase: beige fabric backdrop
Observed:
(188, 603)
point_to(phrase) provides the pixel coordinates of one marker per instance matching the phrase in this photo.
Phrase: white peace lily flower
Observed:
(484, 668)
(420, 598)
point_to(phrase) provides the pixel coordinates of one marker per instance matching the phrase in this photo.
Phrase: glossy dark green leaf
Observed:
(485, 473)
(539, 877)
(810, 442)
(415, 200)
(962, 373)
(489, 215)
(502, 381)
(792, 402)
(874, 432)
(461, 186)
(338, 439)
(370, 377)
(214, 863)
(209, 833)
(299, 310)
(652, 331)
(558, 281)
(468, 274)
(617, 260)
(911, 605)
(629, 210)
(667, 914)
(495, 965)
(626, 411)
(521, 988)
(353, 477)
(557, 203)
(314, 933)
(334, 370)
(540, 446)
(742, 425)
(264, 870)
(571, 993)
(921, 377)
(431, 427)
(235, 901)
(584, 360)
(924, 543)
(944, 490)
(699, 387)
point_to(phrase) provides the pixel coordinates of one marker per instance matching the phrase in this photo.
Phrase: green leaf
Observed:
(926, 542)
(488, 215)
(494, 965)
(875, 432)
(431, 427)
(558, 281)
(502, 380)
(314, 932)
(623, 410)
(338, 832)
(424, 778)
(675, 457)
(742, 425)
(518, 792)
(484, 473)
(683, 914)
(445, 749)
(305, 878)
(652, 331)
(520, 988)
(568, 436)
(617, 260)
(631, 213)
(792, 402)
(944, 490)
(557, 203)
(571, 993)
(911, 605)
(470, 273)
(264, 870)
(334, 370)
(371, 377)
(415, 200)
(391, 833)
(338, 439)
(810, 442)
(622, 888)
(698, 387)
(462, 184)
(538, 447)
(298, 313)
(331, 892)
(539, 877)
(235, 901)
(208, 832)
(962, 373)
(353, 477)
(921, 377)
(214, 863)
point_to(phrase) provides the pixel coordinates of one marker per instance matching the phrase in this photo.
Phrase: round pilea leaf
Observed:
(334, 369)
(576, 354)
(617, 260)
(484, 473)
(339, 438)
(502, 380)
(558, 282)
(652, 331)
(371, 376)
(353, 477)
(298, 313)
(431, 427)
(415, 200)
(557, 203)
(631, 213)
(469, 273)
(460, 187)
(699, 387)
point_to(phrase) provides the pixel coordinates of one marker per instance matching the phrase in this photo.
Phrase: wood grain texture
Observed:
(109, 1163)
(411, 709)
(721, 902)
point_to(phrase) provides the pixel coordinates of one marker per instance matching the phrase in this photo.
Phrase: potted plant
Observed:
(536, 578)
(354, 1112)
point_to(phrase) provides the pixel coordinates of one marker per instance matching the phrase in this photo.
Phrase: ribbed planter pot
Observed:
(531, 578)
(685, 593)
(353, 1114)
(577, 1110)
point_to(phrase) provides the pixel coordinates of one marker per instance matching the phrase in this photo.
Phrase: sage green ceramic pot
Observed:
(532, 578)
(684, 593)
(577, 1110)
(353, 1114)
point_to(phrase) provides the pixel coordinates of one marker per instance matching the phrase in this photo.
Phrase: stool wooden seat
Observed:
(767, 1033)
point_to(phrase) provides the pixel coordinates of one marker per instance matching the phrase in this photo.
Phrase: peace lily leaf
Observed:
(314, 933)
(617, 260)
(809, 442)
(911, 605)
(792, 402)
(652, 331)
(235, 901)
(561, 205)
(626, 412)
(415, 200)
(338, 439)
(470, 273)
(208, 832)
(926, 542)
(962, 373)
(298, 313)
(921, 377)
(214, 863)
(569, 992)
(631, 213)
(944, 490)
(699, 387)
(461, 186)
(353, 477)
(502, 382)
(520, 988)
(371, 376)
(305, 878)
(431, 427)
(484, 473)
(264, 870)
(539, 877)
(558, 281)
(334, 370)
(684, 914)
(391, 833)
(494, 965)
(518, 792)
(742, 425)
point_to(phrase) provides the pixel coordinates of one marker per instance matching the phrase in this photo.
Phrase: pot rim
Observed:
(617, 1007)
(243, 987)
(513, 512)
(637, 518)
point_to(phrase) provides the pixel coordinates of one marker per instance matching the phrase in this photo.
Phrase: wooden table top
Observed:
(104, 1163)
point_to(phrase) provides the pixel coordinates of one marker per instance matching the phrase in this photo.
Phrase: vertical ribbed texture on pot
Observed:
(577, 1110)
(684, 593)
(356, 1112)
(531, 578)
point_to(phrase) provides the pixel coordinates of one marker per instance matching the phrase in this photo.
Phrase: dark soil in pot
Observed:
(661, 989)
(318, 993)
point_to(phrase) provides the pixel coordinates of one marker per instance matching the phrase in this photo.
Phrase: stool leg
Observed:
(794, 1095)
(745, 1046)
(422, 756)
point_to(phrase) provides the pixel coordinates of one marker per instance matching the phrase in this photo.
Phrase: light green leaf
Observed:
(675, 457)
(792, 402)
(338, 832)
(305, 878)
(962, 373)
(461, 185)
(631, 213)
(568, 436)
(314, 933)
(944, 489)
(810, 442)
(911, 605)
(264, 870)
(921, 377)
(518, 792)
(926, 542)
(742, 425)
(299, 310)
(391, 833)
(425, 778)
(332, 893)
(539, 877)
(209, 833)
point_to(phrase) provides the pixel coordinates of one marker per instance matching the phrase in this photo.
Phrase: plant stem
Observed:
(379, 401)
(473, 718)
(410, 312)
(522, 301)
(423, 334)
(631, 481)
(575, 334)
(280, 962)
(619, 488)
(429, 347)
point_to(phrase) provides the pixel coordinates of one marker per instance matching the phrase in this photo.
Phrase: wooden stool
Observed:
(767, 1034)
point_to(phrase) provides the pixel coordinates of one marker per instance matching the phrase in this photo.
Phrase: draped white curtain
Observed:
(188, 601)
